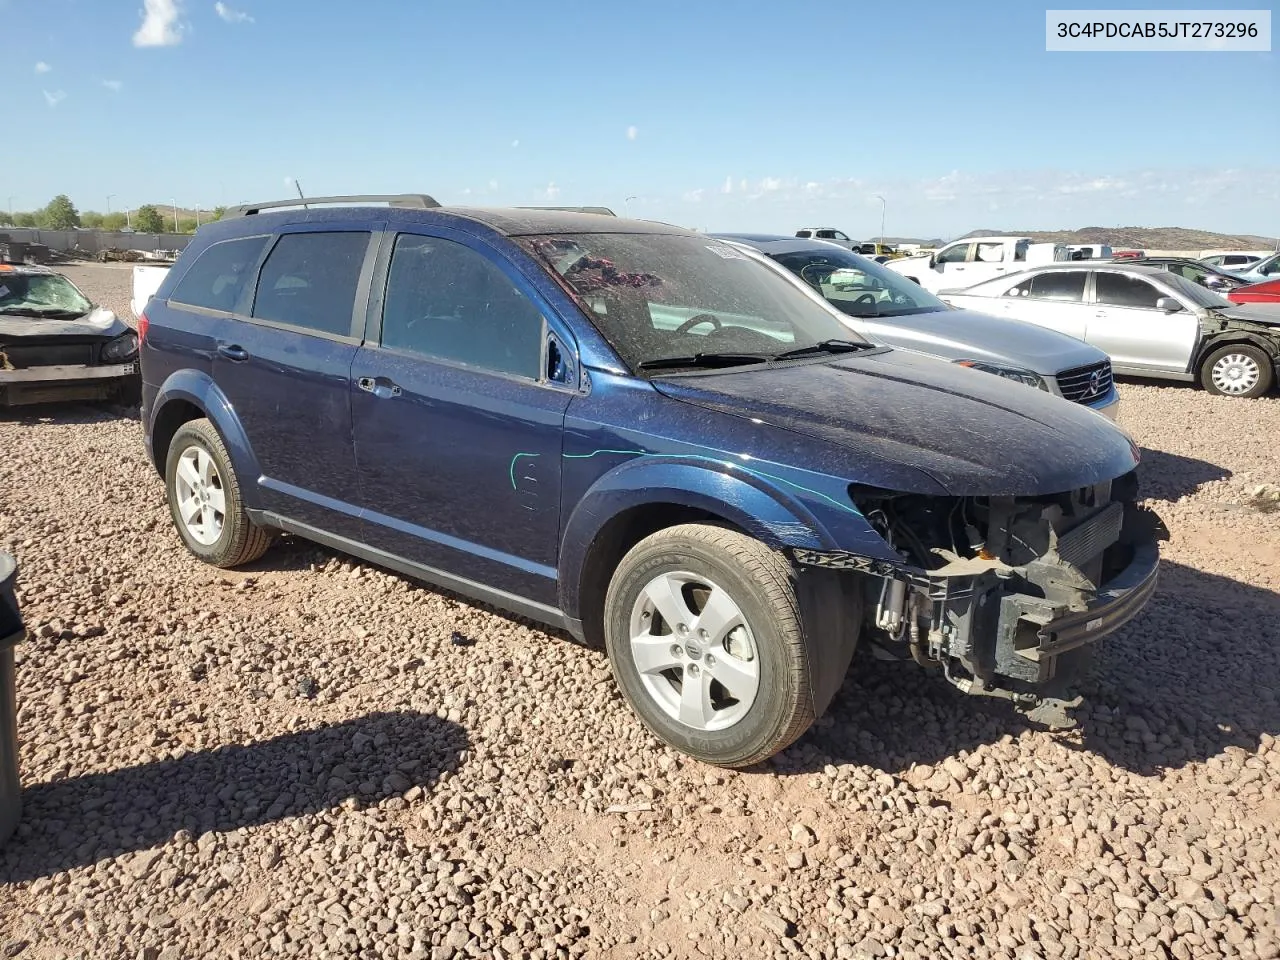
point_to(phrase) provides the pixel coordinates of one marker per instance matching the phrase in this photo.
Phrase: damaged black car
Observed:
(56, 345)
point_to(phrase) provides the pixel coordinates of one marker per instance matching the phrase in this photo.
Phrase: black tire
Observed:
(761, 583)
(1266, 372)
(241, 541)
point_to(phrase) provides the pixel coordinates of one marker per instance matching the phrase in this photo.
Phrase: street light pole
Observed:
(109, 196)
(128, 221)
(174, 201)
(11, 211)
(882, 206)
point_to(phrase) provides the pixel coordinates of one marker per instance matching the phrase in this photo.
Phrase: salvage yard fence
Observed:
(92, 242)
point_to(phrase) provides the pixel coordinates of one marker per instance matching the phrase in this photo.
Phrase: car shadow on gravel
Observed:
(1169, 476)
(67, 413)
(80, 821)
(1196, 674)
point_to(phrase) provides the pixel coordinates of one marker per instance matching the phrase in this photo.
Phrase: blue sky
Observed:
(719, 115)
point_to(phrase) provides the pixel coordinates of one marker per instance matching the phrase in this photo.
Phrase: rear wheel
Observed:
(205, 501)
(705, 638)
(1237, 370)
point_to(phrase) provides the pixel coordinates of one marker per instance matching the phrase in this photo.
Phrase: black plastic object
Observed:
(11, 632)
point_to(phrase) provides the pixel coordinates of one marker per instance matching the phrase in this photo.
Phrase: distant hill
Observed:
(1154, 238)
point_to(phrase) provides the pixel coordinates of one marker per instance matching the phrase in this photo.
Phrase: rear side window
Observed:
(309, 280)
(217, 278)
(448, 301)
(806, 234)
(1067, 285)
(1119, 290)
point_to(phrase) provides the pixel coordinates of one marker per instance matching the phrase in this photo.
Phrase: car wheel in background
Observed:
(205, 501)
(705, 637)
(1237, 370)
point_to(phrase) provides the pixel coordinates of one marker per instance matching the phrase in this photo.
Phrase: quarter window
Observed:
(1119, 290)
(309, 280)
(1064, 285)
(217, 278)
(448, 301)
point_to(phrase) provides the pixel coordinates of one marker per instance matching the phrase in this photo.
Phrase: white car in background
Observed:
(962, 263)
(1152, 322)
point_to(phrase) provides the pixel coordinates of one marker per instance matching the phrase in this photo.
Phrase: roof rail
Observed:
(417, 201)
(602, 211)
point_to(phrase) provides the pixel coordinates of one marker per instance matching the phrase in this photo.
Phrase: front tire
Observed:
(705, 637)
(1237, 370)
(204, 499)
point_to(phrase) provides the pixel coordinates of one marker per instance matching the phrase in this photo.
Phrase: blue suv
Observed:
(638, 434)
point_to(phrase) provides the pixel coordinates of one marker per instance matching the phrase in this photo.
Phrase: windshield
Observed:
(656, 297)
(859, 287)
(40, 294)
(1197, 294)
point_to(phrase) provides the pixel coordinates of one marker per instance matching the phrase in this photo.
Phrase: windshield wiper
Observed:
(33, 312)
(822, 346)
(704, 360)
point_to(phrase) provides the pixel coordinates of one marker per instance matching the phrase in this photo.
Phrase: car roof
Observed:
(771, 243)
(507, 221)
(1093, 265)
(27, 269)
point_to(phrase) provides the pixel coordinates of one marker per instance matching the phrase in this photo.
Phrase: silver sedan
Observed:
(1152, 323)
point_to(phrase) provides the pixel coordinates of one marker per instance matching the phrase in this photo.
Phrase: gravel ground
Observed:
(316, 758)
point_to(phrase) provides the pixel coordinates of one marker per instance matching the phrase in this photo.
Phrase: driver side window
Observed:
(449, 302)
(956, 254)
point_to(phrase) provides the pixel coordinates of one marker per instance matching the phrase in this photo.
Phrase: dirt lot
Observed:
(316, 758)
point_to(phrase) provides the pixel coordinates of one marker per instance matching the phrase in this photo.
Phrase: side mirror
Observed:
(933, 259)
(1169, 305)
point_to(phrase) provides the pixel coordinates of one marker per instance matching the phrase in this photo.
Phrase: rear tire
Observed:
(737, 637)
(1237, 370)
(204, 499)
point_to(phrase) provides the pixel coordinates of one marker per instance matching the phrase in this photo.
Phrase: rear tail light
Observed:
(143, 323)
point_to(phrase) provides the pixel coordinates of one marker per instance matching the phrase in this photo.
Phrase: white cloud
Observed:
(770, 185)
(493, 185)
(54, 98)
(230, 15)
(466, 191)
(728, 185)
(43, 67)
(552, 191)
(113, 85)
(515, 143)
(632, 132)
(694, 196)
(160, 26)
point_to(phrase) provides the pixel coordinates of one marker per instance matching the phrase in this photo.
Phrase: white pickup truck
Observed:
(146, 281)
(962, 263)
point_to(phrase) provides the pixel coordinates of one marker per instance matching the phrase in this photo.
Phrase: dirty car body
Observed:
(56, 345)
(978, 526)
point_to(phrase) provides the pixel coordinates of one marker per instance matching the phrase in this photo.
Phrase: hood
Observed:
(969, 335)
(1267, 314)
(974, 433)
(98, 322)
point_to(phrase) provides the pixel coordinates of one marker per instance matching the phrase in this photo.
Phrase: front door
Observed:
(1127, 324)
(286, 369)
(458, 409)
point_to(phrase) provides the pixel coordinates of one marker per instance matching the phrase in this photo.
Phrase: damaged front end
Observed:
(1005, 594)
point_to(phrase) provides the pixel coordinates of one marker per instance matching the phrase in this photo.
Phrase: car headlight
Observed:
(121, 348)
(1009, 373)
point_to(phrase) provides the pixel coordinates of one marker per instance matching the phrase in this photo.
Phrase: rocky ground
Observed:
(313, 757)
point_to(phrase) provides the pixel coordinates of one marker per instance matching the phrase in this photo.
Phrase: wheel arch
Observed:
(190, 395)
(1268, 345)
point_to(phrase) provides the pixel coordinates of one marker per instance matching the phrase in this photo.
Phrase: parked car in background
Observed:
(1088, 251)
(1263, 270)
(1232, 261)
(830, 234)
(1266, 292)
(56, 345)
(1195, 271)
(963, 263)
(1128, 254)
(642, 435)
(886, 307)
(146, 281)
(1153, 323)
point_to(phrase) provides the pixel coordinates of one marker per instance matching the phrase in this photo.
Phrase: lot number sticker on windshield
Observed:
(727, 252)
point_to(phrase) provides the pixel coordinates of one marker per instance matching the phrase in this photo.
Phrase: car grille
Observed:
(1086, 384)
(20, 356)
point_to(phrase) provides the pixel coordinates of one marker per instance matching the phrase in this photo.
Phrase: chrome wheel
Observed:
(1235, 373)
(694, 651)
(202, 501)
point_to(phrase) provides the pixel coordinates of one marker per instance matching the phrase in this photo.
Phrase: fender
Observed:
(197, 387)
(1235, 332)
(763, 510)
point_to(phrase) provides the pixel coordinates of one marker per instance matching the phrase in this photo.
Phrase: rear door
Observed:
(1126, 323)
(285, 365)
(1053, 299)
(461, 393)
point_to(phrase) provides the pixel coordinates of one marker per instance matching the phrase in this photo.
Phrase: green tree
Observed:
(91, 219)
(217, 214)
(187, 225)
(114, 221)
(60, 214)
(24, 220)
(147, 219)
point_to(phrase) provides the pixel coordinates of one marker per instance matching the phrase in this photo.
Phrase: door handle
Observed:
(380, 387)
(233, 351)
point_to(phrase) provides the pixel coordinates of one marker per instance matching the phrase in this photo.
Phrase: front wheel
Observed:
(1237, 370)
(705, 637)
